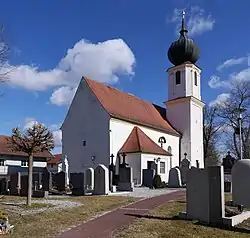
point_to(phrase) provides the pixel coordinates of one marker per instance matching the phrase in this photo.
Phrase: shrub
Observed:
(157, 181)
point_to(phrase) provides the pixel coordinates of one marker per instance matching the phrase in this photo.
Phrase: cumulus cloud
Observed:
(54, 128)
(232, 62)
(197, 21)
(220, 100)
(216, 82)
(103, 62)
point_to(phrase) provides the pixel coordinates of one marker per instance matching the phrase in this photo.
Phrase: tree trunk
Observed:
(30, 173)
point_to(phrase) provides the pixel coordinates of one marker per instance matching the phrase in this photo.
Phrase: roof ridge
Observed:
(138, 137)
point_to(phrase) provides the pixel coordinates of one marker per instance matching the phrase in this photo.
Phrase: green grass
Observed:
(48, 224)
(163, 223)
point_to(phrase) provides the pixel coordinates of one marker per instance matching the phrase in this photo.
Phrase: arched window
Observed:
(178, 77)
(195, 78)
(170, 149)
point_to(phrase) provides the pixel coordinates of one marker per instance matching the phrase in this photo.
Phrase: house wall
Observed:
(150, 157)
(55, 168)
(15, 161)
(87, 121)
(120, 130)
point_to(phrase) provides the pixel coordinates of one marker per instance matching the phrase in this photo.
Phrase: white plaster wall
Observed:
(120, 130)
(187, 117)
(186, 87)
(197, 134)
(86, 120)
(56, 168)
(150, 157)
(178, 115)
(134, 161)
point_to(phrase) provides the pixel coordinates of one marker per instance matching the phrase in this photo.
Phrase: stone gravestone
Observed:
(46, 180)
(205, 195)
(185, 165)
(125, 179)
(60, 181)
(174, 178)
(65, 168)
(101, 180)
(15, 183)
(24, 185)
(147, 177)
(77, 182)
(240, 182)
(89, 178)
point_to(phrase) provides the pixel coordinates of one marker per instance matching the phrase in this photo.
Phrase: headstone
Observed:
(65, 168)
(205, 194)
(147, 177)
(46, 180)
(24, 185)
(240, 182)
(15, 183)
(77, 182)
(185, 165)
(89, 178)
(101, 180)
(174, 178)
(126, 179)
(60, 181)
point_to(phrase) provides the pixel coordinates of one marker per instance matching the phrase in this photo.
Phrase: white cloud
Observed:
(103, 62)
(197, 21)
(220, 100)
(232, 62)
(216, 82)
(54, 128)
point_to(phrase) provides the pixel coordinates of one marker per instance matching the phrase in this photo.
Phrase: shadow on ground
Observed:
(177, 218)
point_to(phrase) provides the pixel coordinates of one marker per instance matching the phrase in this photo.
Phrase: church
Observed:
(105, 125)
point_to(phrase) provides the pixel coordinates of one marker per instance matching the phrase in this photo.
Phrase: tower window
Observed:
(178, 77)
(195, 78)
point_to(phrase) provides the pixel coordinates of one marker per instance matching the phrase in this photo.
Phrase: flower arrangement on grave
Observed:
(5, 226)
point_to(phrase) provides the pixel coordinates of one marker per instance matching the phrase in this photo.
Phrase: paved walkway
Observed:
(104, 226)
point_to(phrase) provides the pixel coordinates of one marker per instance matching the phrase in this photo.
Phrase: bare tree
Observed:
(229, 113)
(211, 127)
(32, 141)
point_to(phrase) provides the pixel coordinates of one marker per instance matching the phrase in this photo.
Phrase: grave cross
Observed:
(123, 157)
(112, 159)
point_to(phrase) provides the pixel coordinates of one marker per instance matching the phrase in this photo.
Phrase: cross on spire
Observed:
(183, 30)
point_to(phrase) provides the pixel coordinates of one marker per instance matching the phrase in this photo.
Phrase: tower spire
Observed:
(183, 30)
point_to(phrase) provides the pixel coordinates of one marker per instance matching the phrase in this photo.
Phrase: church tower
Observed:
(184, 105)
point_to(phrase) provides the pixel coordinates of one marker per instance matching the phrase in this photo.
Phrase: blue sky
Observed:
(122, 42)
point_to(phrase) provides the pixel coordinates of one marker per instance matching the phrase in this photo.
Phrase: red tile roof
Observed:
(127, 107)
(5, 149)
(139, 142)
(56, 160)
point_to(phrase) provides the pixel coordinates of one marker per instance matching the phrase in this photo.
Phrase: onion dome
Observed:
(184, 49)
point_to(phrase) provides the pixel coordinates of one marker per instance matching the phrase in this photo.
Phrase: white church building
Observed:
(104, 121)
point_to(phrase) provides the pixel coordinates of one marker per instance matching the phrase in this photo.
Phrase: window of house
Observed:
(51, 166)
(84, 143)
(2, 162)
(162, 167)
(178, 77)
(24, 163)
(195, 78)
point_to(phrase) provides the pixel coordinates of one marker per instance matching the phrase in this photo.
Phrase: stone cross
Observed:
(112, 159)
(124, 157)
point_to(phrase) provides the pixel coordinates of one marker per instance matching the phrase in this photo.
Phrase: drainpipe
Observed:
(180, 150)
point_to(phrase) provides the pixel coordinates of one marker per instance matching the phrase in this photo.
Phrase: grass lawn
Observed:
(162, 224)
(47, 224)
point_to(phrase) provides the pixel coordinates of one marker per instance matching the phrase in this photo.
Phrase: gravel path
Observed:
(144, 192)
(54, 205)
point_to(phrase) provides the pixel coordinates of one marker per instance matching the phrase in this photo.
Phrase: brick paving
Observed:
(104, 226)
